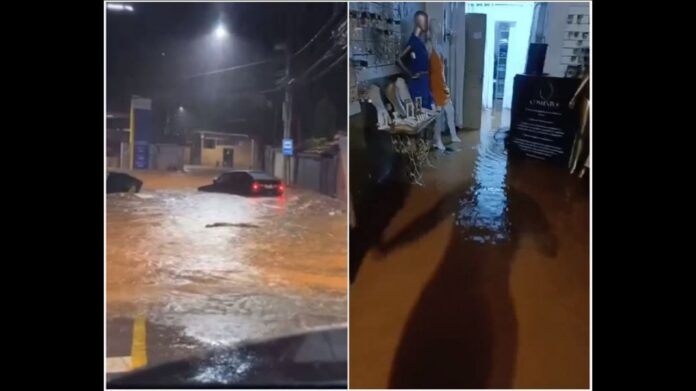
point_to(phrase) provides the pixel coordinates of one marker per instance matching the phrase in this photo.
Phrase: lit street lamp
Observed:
(220, 32)
(119, 7)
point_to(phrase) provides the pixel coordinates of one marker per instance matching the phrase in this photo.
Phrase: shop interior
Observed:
(469, 172)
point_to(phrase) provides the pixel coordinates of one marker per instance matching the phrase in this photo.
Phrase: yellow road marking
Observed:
(139, 346)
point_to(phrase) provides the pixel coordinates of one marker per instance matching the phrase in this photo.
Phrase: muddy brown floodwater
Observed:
(282, 271)
(479, 279)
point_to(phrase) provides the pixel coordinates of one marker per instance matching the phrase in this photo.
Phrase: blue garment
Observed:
(421, 85)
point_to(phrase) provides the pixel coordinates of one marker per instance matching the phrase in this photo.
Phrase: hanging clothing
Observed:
(438, 86)
(420, 86)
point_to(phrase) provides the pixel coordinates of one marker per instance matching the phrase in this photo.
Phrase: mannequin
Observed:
(404, 109)
(390, 92)
(438, 85)
(376, 99)
(419, 82)
(402, 93)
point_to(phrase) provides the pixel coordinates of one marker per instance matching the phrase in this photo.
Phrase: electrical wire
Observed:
(234, 68)
(333, 64)
(327, 55)
(328, 24)
(318, 33)
(251, 64)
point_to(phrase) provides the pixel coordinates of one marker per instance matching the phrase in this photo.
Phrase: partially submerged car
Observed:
(249, 183)
(118, 182)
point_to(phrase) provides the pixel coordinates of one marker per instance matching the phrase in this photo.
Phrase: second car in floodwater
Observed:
(249, 183)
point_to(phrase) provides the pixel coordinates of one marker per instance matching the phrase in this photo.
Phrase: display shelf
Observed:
(376, 72)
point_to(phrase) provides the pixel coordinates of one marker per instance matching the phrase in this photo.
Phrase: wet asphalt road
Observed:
(194, 288)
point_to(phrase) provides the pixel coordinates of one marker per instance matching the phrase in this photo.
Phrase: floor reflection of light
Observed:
(482, 211)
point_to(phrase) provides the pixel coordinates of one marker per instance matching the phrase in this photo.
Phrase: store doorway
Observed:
(508, 29)
(502, 35)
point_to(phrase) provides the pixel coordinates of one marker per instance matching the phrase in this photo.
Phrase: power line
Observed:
(321, 30)
(327, 55)
(333, 64)
(233, 68)
(251, 64)
(323, 58)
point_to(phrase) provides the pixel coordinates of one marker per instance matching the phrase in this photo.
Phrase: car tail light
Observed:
(255, 186)
(281, 188)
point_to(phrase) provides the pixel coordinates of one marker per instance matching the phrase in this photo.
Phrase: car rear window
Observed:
(263, 176)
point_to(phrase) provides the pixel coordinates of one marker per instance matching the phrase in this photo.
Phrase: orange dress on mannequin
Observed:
(438, 86)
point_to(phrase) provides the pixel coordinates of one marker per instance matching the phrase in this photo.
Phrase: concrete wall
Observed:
(113, 162)
(169, 156)
(187, 155)
(278, 166)
(309, 167)
(319, 173)
(242, 156)
(125, 156)
(212, 156)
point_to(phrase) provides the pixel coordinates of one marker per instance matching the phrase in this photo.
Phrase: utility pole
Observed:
(287, 104)
(287, 114)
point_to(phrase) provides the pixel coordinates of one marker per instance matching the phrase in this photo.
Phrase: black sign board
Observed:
(542, 125)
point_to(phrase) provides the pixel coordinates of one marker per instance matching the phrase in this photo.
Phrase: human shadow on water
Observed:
(462, 332)
(373, 214)
(378, 188)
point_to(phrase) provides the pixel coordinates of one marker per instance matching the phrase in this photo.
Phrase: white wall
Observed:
(455, 72)
(555, 33)
(522, 14)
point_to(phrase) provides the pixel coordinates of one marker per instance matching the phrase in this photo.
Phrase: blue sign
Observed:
(141, 132)
(287, 146)
(143, 125)
(141, 156)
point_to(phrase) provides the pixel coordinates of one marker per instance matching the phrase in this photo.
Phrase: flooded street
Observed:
(204, 270)
(480, 278)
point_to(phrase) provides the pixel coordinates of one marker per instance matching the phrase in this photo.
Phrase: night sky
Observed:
(155, 51)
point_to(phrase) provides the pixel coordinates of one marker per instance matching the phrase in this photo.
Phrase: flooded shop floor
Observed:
(481, 277)
(178, 284)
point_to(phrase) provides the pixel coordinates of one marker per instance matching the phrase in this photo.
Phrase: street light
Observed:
(220, 32)
(181, 109)
(119, 7)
